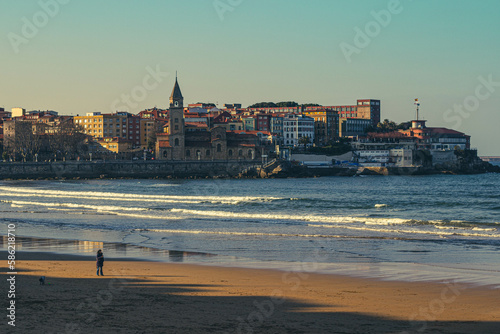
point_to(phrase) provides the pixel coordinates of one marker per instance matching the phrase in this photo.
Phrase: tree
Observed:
(287, 104)
(152, 141)
(305, 105)
(388, 126)
(263, 105)
(27, 140)
(67, 139)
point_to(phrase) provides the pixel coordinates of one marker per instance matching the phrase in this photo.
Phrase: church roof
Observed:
(176, 92)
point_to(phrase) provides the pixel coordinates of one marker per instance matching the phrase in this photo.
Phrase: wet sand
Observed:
(154, 297)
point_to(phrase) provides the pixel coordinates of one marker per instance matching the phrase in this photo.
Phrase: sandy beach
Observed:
(154, 297)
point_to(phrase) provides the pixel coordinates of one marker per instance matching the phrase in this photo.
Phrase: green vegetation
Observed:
(285, 104)
(388, 126)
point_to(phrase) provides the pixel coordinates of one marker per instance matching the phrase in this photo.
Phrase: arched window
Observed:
(240, 153)
(219, 148)
(208, 153)
(198, 154)
(165, 154)
(249, 153)
(188, 153)
(176, 142)
(230, 153)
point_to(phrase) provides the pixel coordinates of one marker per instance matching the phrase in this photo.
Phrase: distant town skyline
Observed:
(76, 57)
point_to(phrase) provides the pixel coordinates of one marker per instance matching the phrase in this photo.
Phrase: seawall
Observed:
(122, 169)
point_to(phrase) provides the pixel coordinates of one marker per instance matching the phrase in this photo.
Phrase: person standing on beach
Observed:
(100, 261)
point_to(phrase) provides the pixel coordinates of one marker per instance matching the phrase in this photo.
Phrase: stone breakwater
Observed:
(213, 169)
(122, 169)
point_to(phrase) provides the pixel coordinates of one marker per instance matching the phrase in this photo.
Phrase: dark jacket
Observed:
(100, 260)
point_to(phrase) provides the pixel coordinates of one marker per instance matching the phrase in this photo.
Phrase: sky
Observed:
(76, 56)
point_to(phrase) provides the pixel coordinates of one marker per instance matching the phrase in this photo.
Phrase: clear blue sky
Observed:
(91, 52)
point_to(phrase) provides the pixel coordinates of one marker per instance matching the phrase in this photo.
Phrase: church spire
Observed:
(176, 92)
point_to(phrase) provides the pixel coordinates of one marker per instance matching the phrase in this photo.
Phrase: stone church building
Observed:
(182, 141)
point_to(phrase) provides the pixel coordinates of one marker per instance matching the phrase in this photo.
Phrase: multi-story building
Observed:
(263, 122)
(120, 124)
(4, 114)
(430, 138)
(352, 127)
(367, 157)
(326, 125)
(113, 144)
(365, 108)
(249, 122)
(297, 126)
(276, 126)
(18, 112)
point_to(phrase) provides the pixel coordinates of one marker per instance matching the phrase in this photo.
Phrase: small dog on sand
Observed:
(42, 280)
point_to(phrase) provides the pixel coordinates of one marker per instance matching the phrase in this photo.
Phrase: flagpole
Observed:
(418, 105)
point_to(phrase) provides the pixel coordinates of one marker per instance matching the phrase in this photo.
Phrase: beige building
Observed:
(100, 125)
(114, 144)
(18, 112)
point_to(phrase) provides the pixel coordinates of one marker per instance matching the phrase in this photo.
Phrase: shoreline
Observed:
(381, 271)
(155, 297)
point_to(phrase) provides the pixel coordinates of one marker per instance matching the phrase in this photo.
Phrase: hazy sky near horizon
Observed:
(85, 56)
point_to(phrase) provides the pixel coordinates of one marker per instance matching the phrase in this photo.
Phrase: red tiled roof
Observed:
(394, 134)
(446, 131)
(196, 124)
(251, 132)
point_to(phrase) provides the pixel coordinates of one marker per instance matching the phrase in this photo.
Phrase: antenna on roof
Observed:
(418, 106)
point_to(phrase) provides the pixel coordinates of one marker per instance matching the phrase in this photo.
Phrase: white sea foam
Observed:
(409, 231)
(76, 205)
(12, 191)
(236, 233)
(381, 205)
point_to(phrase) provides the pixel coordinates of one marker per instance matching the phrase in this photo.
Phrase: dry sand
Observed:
(153, 297)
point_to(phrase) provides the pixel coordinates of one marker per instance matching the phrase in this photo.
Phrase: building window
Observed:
(176, 120)
(164, 154)
(176, 141)
(249, 153)
(230, 153)
(219, 148)
(188, 153)
(240, 153)
(176, 127)
(208, 153)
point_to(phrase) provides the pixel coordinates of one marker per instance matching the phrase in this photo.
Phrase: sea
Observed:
(411, 228)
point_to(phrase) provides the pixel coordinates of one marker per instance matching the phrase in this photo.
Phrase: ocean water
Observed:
(440, 227)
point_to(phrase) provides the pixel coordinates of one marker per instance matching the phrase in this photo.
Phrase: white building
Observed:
(295, 127)
(372, 157)
(401, 157)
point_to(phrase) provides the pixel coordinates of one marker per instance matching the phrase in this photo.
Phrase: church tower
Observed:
(176, 123)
